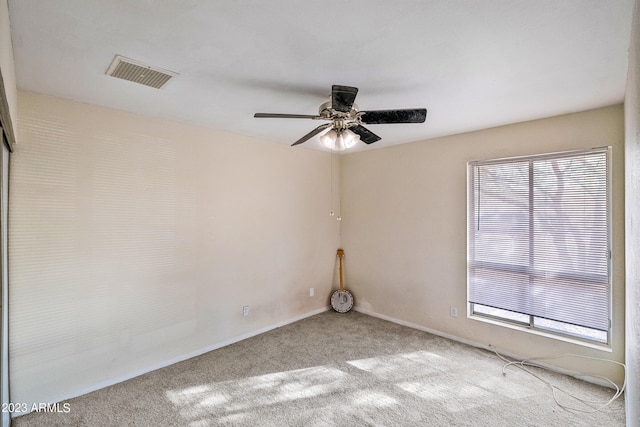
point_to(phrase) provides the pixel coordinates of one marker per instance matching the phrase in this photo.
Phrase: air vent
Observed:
(137, 72)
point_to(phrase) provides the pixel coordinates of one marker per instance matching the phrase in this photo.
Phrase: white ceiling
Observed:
(473, 64)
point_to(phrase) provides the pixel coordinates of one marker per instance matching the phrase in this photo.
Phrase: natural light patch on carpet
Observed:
(373, 398)
(453, 395)
(234, 396)
(398, 365)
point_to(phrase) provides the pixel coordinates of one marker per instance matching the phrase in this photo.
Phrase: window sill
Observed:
(564, 338)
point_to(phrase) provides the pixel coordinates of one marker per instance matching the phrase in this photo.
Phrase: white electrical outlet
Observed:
(312, 292)
(245, 310)
(454, 312)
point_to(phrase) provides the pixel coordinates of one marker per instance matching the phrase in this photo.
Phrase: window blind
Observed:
(539, 237)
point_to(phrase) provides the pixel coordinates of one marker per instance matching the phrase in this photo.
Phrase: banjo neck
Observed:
(340, 256)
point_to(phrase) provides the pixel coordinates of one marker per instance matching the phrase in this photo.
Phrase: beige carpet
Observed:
(336, 370)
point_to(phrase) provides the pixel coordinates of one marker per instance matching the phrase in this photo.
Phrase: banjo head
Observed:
(342, 301)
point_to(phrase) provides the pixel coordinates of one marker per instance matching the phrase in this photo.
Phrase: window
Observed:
(539, 242)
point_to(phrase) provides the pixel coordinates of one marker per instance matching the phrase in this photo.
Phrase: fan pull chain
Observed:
(331, 180)
(339, 218)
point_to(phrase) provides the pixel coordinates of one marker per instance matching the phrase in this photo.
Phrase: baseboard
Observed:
(578, 375)
(180, 358)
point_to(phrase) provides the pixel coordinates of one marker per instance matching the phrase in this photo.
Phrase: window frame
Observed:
(529, 325)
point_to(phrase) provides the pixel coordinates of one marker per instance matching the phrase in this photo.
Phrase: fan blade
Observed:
(342, 97)
(284, 116)
(366, 135)
(312, 133)
(417, 115)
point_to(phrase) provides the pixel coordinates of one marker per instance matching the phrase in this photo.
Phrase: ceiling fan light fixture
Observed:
(339, 141)
(328, 139)
(349, 138)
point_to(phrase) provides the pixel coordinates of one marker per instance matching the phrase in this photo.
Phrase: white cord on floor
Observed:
(531, 362)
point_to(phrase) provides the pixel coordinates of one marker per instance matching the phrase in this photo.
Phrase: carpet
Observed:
(336, 369)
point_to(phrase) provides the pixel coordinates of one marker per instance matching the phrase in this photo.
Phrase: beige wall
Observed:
(135, 242)
(6, 62)
(404, 229)
(632, 184)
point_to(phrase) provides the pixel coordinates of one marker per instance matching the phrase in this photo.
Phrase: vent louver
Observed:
(137, 72)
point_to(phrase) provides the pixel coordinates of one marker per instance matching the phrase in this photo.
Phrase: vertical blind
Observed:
(539, 236)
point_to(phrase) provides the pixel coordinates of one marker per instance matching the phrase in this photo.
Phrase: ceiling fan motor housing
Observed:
(341, 120)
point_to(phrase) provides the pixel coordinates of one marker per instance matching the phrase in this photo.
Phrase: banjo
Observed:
(341, 300)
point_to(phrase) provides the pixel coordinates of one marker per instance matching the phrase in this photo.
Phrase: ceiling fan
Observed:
(346, 121)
